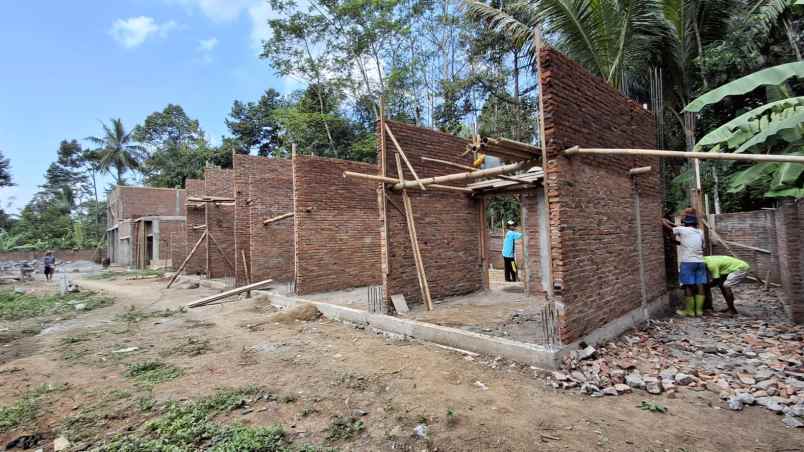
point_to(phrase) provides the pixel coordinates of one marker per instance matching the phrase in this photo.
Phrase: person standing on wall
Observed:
(50, 265)
(509, 251)
(693, 274)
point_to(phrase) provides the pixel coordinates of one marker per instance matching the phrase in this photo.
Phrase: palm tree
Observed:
(613, 39)
(774, 13)
(116, 151)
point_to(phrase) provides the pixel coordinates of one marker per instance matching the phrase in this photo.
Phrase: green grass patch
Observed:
(344, 428)
(152, 372)
(17, 306)
(192, 346)
(191, 426)
(26, 408)
(133, 274)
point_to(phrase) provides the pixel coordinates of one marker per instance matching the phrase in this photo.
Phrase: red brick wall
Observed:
(195, 217)
(789, 219)
(220, 222)
(495, 242)
(757, 229)
(591, 199)
(138, 202)
(264, 189)
(447, 223)
(168, 233)
(337, 232)
(178, 246)
(531, 243)
(60, 255)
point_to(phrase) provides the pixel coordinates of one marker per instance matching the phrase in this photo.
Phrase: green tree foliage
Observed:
(254, 125)
(5, 171)
(118, 154)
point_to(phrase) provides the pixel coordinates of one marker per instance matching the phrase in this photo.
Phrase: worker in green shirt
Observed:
(726, 272)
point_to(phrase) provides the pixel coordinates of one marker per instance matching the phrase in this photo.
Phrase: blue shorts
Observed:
(693, 273)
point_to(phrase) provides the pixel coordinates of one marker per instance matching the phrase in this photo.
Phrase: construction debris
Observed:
(303, 312)
(753, 359)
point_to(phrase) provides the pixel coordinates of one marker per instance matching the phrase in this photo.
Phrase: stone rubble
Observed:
(756, 358)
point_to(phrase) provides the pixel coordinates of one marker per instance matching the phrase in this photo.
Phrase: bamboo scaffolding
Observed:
(471, 168)
(685, 155)
(414, 241)
(187, 259)
(210, 199)
(246, 271)
(277, 218)
(220, 250)
(404, 157)
(488, 172)
(392, 180)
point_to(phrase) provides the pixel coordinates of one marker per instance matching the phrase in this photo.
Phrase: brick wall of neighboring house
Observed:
(591, 199)
(220, 222)
(195, 217)
(168, 233)
(264, 189)
(134, 202)
(757, 229)
(337, 229)
(789, 219)
(532, 203)
(89, 254)
(494, 246)
(178, 246)
(447, 223)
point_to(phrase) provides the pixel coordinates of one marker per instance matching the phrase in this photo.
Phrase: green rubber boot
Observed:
(690, 311)
(699, 302)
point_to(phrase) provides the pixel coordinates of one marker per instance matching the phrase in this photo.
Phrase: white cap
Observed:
(511, 222)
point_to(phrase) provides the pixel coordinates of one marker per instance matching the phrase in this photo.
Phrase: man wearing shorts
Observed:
(50, 265)
(727, 272)
(692, 273)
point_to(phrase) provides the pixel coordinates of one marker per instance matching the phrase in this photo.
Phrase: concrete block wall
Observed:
(263, 189)
(789, 221)
(220, 222)
(757, 229)
(337, 232)
(196, 216)
(447, 223)
(595, 265)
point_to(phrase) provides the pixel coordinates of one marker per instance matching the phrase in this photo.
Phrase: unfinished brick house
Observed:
(143, 224)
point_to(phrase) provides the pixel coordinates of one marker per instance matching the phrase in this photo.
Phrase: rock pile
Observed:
(745, 360)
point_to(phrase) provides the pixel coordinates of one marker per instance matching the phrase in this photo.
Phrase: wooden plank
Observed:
(187, 259)
(220, 250)
(414, 242)
(246, 271)
(400, 304)
(404, 157)
(748, 247)
(277, 218)
(212, 298)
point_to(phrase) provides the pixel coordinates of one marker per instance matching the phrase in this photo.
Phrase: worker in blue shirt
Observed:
(509, 251)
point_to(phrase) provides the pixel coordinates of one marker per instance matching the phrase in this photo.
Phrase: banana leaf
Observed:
(794, 123)
(771, 76)
(736, 125)
(786, 193)
(742, 179)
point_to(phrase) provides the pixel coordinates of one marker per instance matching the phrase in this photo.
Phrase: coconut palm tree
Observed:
(117, 152)
(779, 13)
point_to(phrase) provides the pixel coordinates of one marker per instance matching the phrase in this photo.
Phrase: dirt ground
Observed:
(321, 370)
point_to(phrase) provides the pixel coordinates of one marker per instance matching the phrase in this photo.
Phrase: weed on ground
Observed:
(18, 306)
(139, 274)
(193, 346)
(134, 315)
(344, 428)
(26, 408)
(152, 372)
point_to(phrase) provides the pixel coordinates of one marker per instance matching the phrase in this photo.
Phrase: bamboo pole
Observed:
(496, 171)
(277, 218)
(207, 300)
(470, 168)
(414, 242)
(685, 155)
(246, 271)
(187, 259)
(391, 180)
(220, 250)
(404, 157)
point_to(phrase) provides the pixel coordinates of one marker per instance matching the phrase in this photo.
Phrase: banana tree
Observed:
(775, 127)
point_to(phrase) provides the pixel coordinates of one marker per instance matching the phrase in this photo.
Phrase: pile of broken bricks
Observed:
(745, 360)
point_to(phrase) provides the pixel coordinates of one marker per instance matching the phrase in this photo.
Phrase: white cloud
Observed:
(134, 31)
(260, 31)
(219, 10)
(205, 49)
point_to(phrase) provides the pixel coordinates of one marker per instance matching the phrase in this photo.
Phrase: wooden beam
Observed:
(488, 172)
(686, 155)
(404, 157)
(277, 218)
(391, 180)
(220, 250)
(187, 259)
(640, 170)
(748, 247)
(471, 168)
(212, 298)
(246, 271)
(414, 242)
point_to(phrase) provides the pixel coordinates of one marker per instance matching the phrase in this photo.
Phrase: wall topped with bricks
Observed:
(595, 265)
(220, 223)
(196, 216)
(757, 229)
(134, 202)
(789, 220)
(336, 223)
(263, 190)
(447, 223)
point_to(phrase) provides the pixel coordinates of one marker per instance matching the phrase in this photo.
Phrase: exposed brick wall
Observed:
(196, 216)
(757, 229)
(169, 232)
(789, 219)
(531, 242)
(220, 222)
(134, 202)
(591, 199)
(178, 247)
(447, 223)
(264, 189)
(90, 254)
(337, 233)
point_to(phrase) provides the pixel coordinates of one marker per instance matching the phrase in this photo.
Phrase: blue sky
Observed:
(68, 65)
